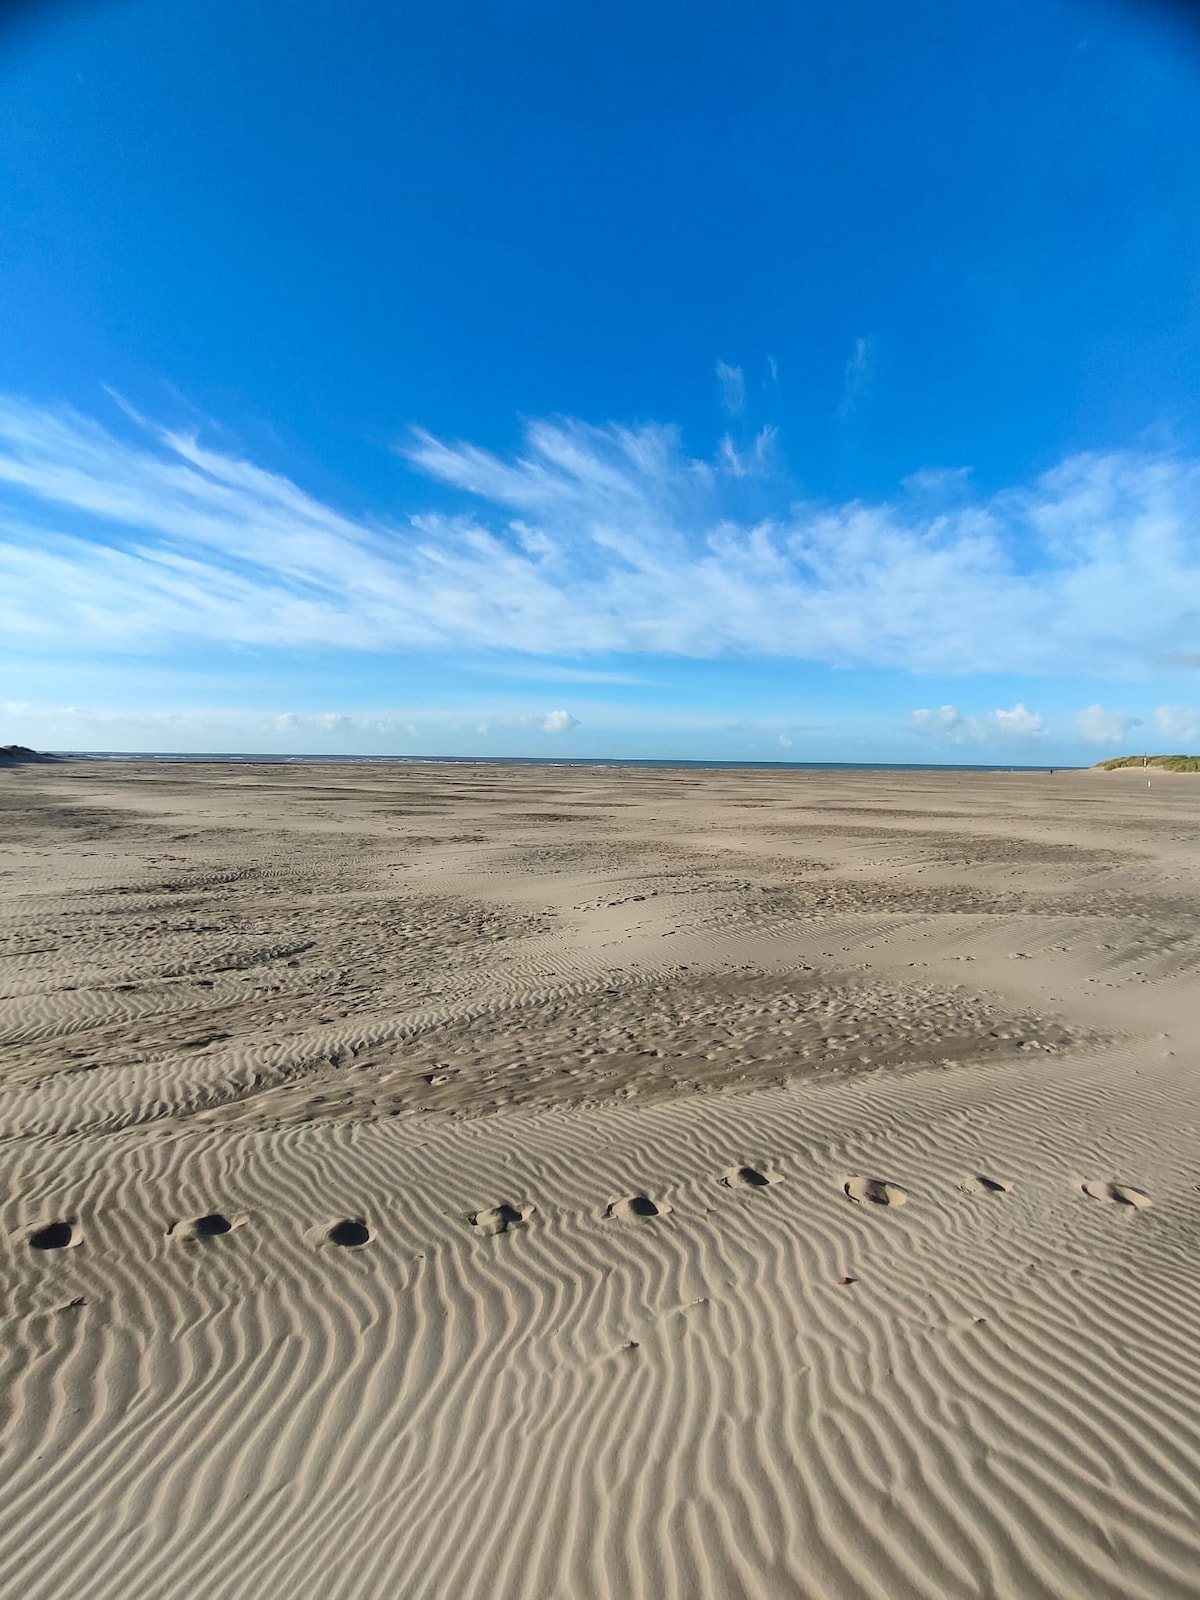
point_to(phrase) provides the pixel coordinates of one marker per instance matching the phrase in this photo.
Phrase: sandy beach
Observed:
(532, 1183)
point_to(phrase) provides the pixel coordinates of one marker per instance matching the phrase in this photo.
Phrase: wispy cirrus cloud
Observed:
(733, 388)
(856, 379)
(592, 540)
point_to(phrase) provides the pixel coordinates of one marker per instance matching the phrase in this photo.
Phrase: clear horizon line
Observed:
(300, 757)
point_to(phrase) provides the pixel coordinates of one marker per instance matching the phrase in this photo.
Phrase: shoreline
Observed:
(667, 764)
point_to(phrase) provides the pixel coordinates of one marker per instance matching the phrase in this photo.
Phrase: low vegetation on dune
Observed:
(1168, 763)
(11, 754)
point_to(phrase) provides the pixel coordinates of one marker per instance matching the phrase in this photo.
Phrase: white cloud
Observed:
(785, 741)
(592, 540)
(1020, 723)
(733, 388)
(1178, 724)
(948, 722)
(1099, 726)
(194, 728)
(753, 460)
(938, 482)
(730, 459)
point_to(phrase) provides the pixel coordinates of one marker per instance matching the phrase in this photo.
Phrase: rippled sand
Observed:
(567, 1183)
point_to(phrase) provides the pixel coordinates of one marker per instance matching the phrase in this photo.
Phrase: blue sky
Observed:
(768, 381)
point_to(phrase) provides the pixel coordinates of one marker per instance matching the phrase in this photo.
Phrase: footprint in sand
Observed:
(977, 1183)
(55, 1236)
(499, 1219)
(344, 1233)
(634, 1208)
(1118, 1193)
(874, 1191)
(351, 1233)
(211, 1226)
(749, 1178)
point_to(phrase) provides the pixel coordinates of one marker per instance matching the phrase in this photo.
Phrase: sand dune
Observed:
(538, 1183)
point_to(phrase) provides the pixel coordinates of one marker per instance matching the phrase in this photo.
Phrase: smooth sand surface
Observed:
(547, 1184)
